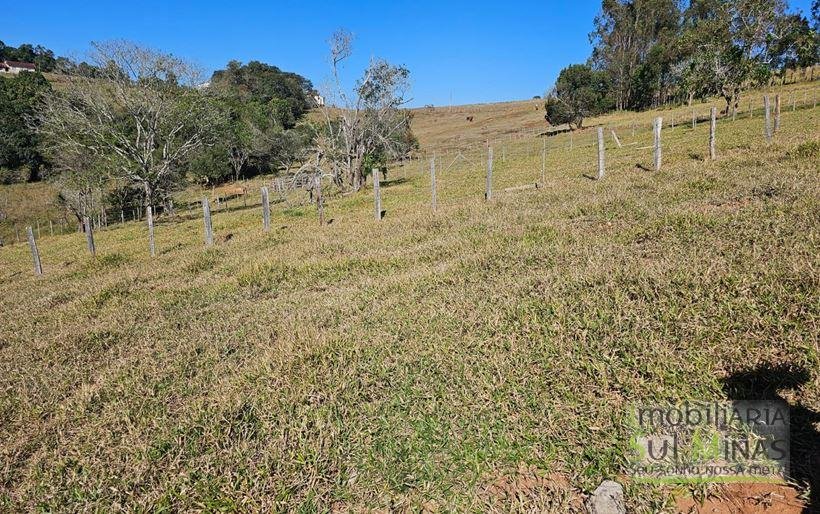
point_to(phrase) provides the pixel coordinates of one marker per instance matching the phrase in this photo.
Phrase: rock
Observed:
(607, 499)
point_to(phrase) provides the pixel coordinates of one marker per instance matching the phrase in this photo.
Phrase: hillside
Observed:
(482, 357)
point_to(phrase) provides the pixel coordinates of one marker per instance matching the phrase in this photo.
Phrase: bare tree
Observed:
(367, 123)
(139, 115)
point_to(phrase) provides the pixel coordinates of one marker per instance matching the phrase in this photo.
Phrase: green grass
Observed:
(482, 357)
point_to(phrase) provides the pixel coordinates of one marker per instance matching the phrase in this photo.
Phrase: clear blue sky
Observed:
(475, 51)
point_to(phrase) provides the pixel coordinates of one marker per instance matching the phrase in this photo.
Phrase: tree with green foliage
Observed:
(19, 97)
(735, 43)
(624, 40)
(286, 95)
(579, 92)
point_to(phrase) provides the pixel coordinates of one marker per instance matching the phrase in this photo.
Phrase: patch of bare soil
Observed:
(746, 499)
(529, 489)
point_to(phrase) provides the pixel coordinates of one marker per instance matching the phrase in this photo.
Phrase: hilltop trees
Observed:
(285, 95)
(19, 97)
(262, 106)
(656, 50)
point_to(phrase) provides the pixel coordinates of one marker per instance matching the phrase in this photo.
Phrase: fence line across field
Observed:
(470, 155)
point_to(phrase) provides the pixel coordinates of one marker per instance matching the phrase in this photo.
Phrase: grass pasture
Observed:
(482, 357)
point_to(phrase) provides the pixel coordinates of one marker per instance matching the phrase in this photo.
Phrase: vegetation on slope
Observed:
(481, 357)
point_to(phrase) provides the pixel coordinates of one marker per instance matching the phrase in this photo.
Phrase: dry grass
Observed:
(482, 357)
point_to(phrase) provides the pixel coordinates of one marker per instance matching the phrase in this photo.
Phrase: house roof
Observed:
(18, 64)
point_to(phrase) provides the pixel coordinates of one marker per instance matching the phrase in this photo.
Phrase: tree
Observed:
(287, 95)
(579, 92)
(735, 43)
(365, 124)
(140, 116)
(19, 97)
(626, 31)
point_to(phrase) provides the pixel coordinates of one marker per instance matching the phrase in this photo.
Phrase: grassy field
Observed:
(481, 357)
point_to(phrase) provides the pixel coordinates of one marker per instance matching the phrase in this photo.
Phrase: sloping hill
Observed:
(485, 356)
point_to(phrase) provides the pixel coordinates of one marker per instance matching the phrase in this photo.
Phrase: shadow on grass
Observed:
(767, 382)
(393, 182)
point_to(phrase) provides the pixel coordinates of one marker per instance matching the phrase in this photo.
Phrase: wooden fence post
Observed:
(35, 254)
(600, 153)
(544, 162)
(694, 119)
(712, 126)
(767, 122)
(377, 194)
(50, 228)
(776, 113)
(750, 107)
(16, 234)
(149, 216)
(658, 147)
(615, 137)
(89, 236)
(206, 216)
(433, 182)
(488, 185)
(320, 202)
(265, 209)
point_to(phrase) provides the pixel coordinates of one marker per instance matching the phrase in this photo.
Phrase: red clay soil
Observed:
(746, 499)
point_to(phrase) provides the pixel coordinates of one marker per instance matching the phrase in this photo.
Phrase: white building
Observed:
(15, 67)
(320, 100)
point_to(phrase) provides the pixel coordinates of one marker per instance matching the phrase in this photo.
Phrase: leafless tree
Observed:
(367, 123)
(139, 115)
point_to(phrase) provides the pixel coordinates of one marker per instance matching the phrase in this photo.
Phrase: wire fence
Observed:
(527, 143)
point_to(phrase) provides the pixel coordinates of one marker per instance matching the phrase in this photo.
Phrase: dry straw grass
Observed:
(482, 357)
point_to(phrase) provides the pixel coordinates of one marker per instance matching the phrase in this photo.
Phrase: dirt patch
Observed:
(529, 489)
(745, 499)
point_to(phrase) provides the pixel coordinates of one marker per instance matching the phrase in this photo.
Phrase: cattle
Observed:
(470, 119)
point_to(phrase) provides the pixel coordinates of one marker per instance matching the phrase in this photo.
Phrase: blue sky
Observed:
(469, 52)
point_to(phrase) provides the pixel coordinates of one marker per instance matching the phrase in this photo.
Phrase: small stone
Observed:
(608, 498)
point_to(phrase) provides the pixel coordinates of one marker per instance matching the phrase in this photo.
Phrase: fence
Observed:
(470, 155)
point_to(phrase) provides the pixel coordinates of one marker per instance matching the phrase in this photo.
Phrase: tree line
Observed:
(648, 53)
(136, 124)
